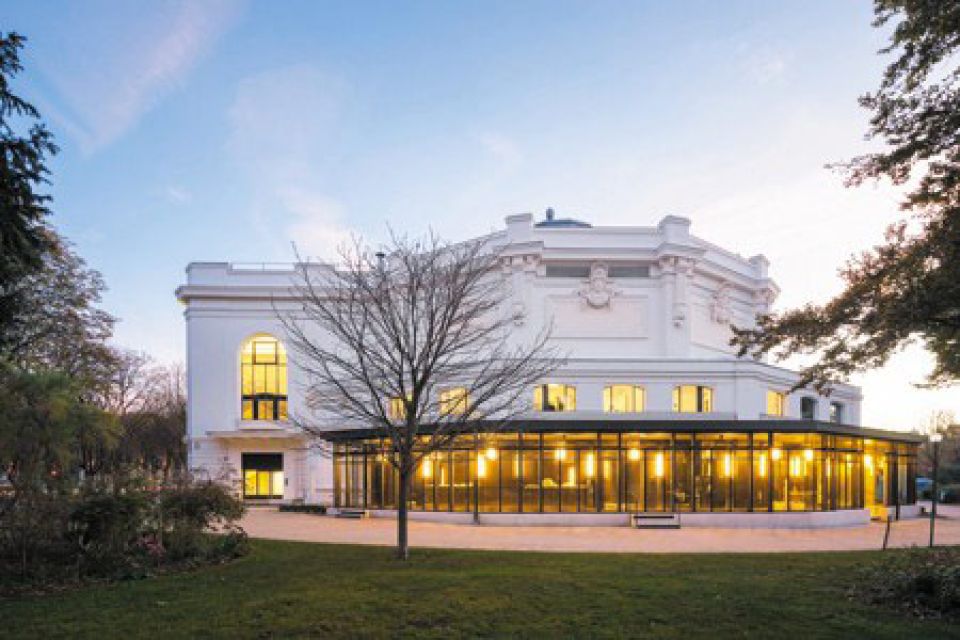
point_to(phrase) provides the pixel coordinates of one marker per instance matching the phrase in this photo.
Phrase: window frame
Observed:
(264, 390)
(637, 392)
(780, 398)
(704, 398)
(542, 397)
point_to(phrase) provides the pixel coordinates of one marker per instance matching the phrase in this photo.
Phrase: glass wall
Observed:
(636, 472)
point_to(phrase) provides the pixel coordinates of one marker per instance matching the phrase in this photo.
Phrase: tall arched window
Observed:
(263, 375)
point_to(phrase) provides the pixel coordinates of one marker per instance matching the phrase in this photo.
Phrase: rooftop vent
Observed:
(552, 222)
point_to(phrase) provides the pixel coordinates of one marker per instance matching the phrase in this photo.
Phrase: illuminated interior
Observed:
(776, 403)
(555, 397)
(623, 398)
(692, 398)
(262, 475)
(554, 472)
(263, 379)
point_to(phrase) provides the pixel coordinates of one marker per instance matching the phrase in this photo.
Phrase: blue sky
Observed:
(224, 130)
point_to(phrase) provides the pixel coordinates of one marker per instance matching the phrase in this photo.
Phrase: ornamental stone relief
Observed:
(720, 311)
(597, 292)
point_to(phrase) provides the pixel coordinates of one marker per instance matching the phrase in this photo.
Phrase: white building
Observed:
(643, 314)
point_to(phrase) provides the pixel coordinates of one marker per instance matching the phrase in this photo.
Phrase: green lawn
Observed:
(296, 589)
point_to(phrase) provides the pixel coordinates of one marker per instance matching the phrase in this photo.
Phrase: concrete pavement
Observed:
(269, 523)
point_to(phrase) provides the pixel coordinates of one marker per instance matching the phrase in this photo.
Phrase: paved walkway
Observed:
(270, 523)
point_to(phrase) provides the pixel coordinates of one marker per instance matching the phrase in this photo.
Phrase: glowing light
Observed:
(427, 468)
(762, 466)
(808, 455)
(560, 453)
(634, 454)
(797, 468)
(571, 477)
(775, 454)
(658, 465)
(491, 453)
(868, 460)
(727, 465)
(590, 465)
(481, 467)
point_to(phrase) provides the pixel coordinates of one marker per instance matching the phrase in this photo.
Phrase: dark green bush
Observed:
(107, 530)
(128, 533)
(922, 582)
(189, 513)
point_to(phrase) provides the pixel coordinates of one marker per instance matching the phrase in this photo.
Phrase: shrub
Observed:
(51, 538)
(189, 513)
(107, 529)
(922, 582)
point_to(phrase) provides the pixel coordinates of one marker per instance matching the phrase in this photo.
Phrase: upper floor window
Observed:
(263, 379)
(836, 412)
(396, 409)
(623, 398)
(690, 398)
(555, 397)
(453, 402)
(776, 403)
(808, 408)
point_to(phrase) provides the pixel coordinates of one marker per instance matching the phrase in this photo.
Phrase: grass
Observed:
(285, 589)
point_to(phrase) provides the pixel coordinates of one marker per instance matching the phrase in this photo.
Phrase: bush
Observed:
(922, 582)
(47, 538)
(189, 513)
(107, 530)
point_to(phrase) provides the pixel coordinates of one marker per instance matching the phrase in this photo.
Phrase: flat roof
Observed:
(673, 426)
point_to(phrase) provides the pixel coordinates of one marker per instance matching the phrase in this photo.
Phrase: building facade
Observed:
(651, 412)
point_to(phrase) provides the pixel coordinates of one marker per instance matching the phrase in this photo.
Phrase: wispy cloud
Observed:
(282, 123)
(108, 88)
(177, 195)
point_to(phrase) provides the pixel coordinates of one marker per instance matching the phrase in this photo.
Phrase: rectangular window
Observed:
(568, 271)
(690, 398)
(396, 409)
(555, 397)
(453, 401)
(836, 412)
(808, 408)
(629, 271)
(776, 403)
(623, 398)
(262, 475)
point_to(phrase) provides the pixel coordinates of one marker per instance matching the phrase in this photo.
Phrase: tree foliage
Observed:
(25, 144)
(907, 288)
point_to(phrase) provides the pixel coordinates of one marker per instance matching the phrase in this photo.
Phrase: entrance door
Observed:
(262, 476)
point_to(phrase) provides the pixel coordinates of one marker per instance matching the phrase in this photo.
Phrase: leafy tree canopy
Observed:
(907, 288)
(25, 144)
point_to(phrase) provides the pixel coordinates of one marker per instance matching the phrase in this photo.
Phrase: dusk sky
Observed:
(224, 131)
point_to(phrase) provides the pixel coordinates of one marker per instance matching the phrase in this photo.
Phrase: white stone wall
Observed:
(667, 329)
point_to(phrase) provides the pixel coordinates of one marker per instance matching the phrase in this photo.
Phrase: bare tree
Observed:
(417, 343)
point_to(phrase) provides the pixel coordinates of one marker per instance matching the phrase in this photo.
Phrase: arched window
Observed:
(263, 375)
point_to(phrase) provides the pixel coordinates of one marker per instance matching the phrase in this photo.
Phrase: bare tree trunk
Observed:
(403, 548)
